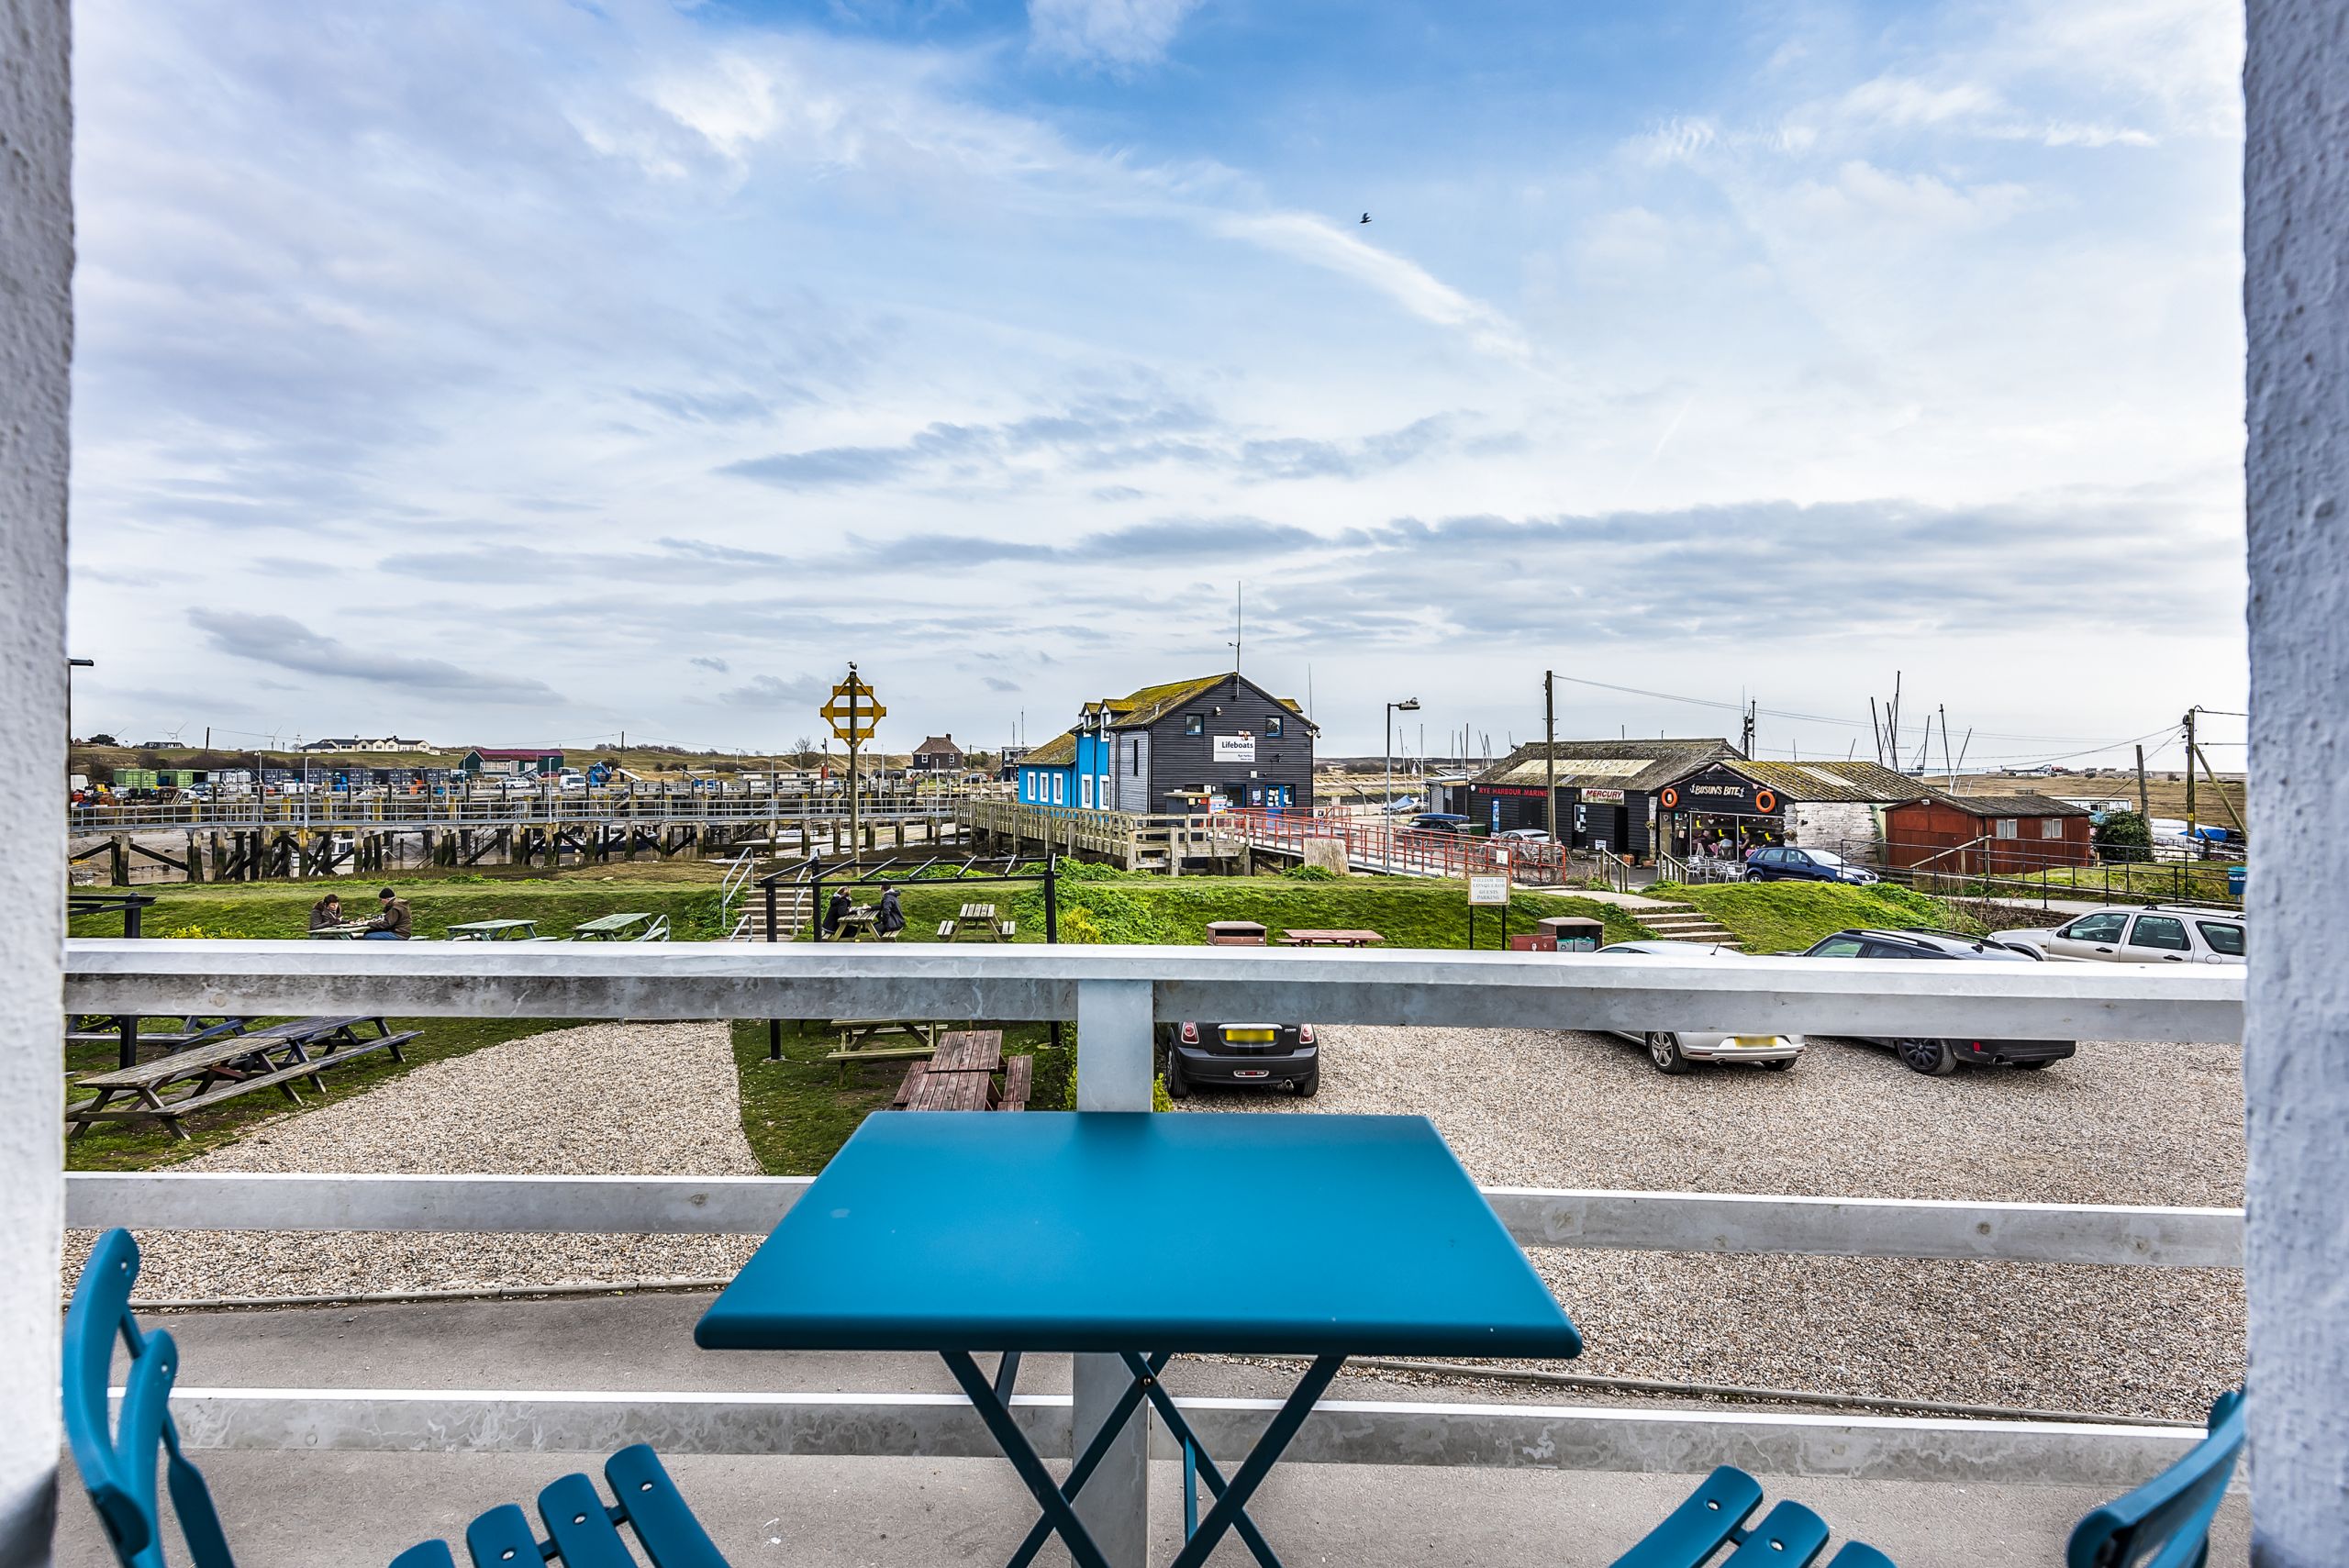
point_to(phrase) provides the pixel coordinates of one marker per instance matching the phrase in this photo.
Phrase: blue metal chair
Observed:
(117, 1461)
(2166, 1523)
(1790, 1536)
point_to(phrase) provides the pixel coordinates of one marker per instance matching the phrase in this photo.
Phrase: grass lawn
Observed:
(2180, 882)
(1782, 916)
(797, 1112)
(281, 909)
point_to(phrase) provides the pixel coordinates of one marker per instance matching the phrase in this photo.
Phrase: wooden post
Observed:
(118, 859)
(196, 856)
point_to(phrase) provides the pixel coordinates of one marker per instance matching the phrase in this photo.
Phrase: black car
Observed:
(1241, 1056)
(1941, 1056)
(1784, 862)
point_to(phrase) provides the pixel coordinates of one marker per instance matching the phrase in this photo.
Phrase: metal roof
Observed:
(2005, 805)
(1810, 782)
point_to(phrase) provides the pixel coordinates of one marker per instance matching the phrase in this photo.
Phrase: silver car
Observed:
(1674, 1052)
(2158, 933)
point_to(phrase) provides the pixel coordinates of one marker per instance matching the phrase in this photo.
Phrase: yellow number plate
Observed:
(1252, 1037)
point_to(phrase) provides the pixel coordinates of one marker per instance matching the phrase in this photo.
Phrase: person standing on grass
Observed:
(395, 924)
(889, 920)
(326, 913)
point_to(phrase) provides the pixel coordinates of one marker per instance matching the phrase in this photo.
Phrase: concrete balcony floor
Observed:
(295, 1510)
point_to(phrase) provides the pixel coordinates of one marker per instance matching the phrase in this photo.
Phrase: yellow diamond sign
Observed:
(852, 712)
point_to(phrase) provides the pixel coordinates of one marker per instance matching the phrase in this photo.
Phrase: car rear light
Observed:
(1305, 1034)
(1190, 1034)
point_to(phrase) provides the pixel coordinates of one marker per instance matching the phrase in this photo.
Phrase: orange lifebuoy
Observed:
(1670, 798)
(1766, 802)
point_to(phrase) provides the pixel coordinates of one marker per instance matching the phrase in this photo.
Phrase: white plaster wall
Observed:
(2296, 1056)
(1832, 824)
(36, 347)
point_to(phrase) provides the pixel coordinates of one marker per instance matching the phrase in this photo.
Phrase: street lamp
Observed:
(1409, 705)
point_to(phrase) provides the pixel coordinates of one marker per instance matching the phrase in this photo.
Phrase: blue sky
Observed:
(530, 371)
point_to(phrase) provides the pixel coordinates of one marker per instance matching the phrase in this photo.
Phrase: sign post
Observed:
(1485, 890)
(853, 715)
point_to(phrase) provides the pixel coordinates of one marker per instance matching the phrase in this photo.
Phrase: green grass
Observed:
(144, 1144)
(1782, 916)
(283, 909)
(2183, 882)
(797, 1112)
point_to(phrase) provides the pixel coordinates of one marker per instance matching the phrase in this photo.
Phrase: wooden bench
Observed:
(857, 1036)
(267, 1058)
(127, 1032)
(1019, 1083)
(969, 1051)
(937, 1091)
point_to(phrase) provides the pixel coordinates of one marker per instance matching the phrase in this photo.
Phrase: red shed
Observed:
(2001, 835)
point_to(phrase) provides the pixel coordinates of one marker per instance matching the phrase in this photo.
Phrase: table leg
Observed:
(1230, 1508)
(1196, 1458)
(1058, 1516)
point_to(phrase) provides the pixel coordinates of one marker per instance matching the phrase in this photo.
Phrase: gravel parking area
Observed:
(2119, 1123)
(602, 1099)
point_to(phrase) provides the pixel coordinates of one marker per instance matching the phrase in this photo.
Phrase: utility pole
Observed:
(2189, 771)
(1550, 753)
(2144, 799)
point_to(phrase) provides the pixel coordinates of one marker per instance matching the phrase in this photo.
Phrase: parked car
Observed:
(1673, 1052)
(1440, 822)
(1784, 862)
(2158, 933)
(1526, 835)
(1938, 1057)
(1241, 1056)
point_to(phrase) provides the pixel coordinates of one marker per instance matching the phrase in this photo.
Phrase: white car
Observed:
(1673, 1052)
(2158, 933)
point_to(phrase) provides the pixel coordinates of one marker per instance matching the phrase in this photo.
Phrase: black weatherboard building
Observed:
(1605, 788)
(1212, 743)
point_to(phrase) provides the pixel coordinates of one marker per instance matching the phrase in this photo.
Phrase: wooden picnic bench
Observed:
(858, 1037)
(1297, 938)
(977, 922)
(961, 1076)
(271, 1057)
(130, 1030)
(493, 930)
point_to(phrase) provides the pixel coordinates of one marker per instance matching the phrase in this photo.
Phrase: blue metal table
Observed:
(1323, 1236)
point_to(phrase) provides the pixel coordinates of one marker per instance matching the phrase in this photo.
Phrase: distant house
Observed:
(938, 755)
(380, 743)
(1995, 835)
(511, 761)
(1201, 745)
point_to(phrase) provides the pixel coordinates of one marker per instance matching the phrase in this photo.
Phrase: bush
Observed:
(1311, 873)
(2124, 837)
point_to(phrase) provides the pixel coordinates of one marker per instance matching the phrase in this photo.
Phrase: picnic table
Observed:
(961, 1076)
(1304, 938)
(977, 922)
(205, 1075)
(128, 1032)
(623, 927)
(857, 924)
(1404, 1258)
(493, 930)
(341, 931)
(861, 1037)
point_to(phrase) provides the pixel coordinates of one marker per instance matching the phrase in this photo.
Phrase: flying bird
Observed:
(1365, 217)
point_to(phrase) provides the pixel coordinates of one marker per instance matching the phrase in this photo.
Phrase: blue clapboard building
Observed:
(1207, 744)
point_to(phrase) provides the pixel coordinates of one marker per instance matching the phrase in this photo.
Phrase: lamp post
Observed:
(1409, 705)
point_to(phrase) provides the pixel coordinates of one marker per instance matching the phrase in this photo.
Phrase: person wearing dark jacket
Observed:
(326, 913)
(836, 911)
(395, 924)
(889, 920)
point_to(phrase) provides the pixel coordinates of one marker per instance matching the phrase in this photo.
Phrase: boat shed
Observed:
(1990, 835)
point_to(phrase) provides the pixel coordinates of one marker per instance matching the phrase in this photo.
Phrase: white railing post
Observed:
(2296, 1042)
(36, 351)
(1114, 1052)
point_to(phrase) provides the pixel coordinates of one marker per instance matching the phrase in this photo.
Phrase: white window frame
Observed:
(2007, 828)
(1060, 789)
(1086, 791)
(2051, 827)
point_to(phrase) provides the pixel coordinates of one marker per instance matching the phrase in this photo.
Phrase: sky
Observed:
(526, 372)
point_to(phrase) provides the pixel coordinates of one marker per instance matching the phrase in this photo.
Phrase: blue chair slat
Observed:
(582, 1533)
(503, 1536)
(118, 1455)
(1790, 1536)
(427, 1554)
(2166, 1523)
(1695, 1529)
(1859, 1554)
(670, 1534)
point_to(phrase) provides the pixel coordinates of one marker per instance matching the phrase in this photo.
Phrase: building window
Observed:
(1088, 792)
(1060, 789)
(2007, 827)
(2051, 827)
(1134, 767)
(1273, 728)
(1195, 724)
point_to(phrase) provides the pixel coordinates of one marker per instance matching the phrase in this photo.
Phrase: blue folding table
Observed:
(1141, 1236)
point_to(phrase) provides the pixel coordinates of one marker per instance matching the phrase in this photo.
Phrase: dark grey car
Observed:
(1241, 1056)
(1938, 1057)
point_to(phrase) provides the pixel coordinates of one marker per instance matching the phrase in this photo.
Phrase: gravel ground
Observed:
(604, 1099)
(2119, 1123)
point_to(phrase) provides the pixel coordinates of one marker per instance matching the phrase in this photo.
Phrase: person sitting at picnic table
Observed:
(326, 913)
(889, 920)
(395, 924)
(836, 911)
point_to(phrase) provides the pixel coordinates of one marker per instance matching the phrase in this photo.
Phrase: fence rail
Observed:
(361, 810)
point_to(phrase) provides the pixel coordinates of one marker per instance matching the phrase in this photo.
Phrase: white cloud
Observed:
(1110, 32)
(1318, 242)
